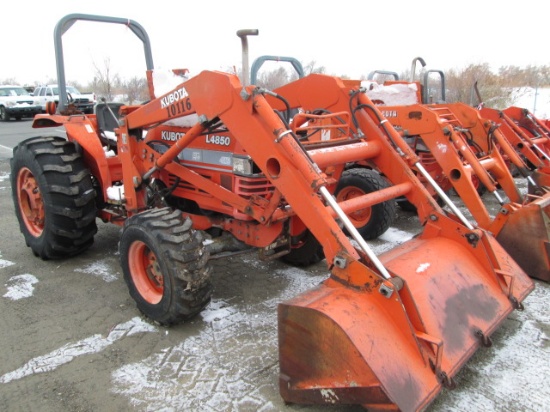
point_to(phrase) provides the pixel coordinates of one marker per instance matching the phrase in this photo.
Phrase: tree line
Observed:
(494, 89)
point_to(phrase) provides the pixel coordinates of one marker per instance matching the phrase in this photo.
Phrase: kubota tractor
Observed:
(463, 150)
(529, 136)
(213, 158)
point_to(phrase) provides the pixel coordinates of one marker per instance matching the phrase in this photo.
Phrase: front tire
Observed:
(371, 222)
(53, 196)
(165, 265)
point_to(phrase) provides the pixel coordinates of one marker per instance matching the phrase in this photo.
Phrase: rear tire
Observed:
(373, 221)
(165, 265)
(53, 196)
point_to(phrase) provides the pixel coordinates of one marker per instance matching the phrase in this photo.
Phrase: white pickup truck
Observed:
(16, 102)
(50, 93)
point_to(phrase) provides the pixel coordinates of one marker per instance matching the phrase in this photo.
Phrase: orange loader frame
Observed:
(529, 136)
(450, 131)
(470, 150)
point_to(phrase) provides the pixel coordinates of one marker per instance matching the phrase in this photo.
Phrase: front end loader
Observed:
(215, 158)
(529, 136)
(472, 154)
(470, 148)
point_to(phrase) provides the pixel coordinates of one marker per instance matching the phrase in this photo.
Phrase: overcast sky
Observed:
(347, 37)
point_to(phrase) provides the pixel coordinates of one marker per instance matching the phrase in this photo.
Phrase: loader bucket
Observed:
(541, 177)
(350, 345)
(526, 237)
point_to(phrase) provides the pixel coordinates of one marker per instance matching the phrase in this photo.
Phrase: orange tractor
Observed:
(529, 136)
(214, 158)
(469, 148)
(465, 151)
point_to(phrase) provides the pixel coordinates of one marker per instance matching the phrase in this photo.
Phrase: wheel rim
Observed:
(30, 201)
(475, 182)
(361, 217)
(146, 273)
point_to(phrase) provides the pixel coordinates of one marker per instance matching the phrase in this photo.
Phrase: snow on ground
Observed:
(100, 269)
(5, 263)
(20, 286)
(68, 352)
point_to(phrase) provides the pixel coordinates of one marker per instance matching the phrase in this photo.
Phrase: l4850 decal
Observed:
(219, 140)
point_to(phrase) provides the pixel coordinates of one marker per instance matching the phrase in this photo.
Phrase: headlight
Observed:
(243, 166)
(10, 103)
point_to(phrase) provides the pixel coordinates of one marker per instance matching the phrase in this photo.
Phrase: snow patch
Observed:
(70, 351)
(395, 236)
(391, 95)
(536, 100)
(5, 263)
(100, 269)
(20, 287)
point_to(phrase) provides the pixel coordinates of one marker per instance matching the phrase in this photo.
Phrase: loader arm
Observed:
(454, 154)
(514, 135)
(486, 136)
(531, 130)
(534, 150)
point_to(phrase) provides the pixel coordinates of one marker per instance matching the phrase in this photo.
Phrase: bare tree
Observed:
(493, 89)
(272, 79)
(312, 67)
(10, 80)
(136, 90)
(104, 81)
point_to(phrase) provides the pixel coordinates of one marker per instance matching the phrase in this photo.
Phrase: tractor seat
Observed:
(105, 120)
(106, 123)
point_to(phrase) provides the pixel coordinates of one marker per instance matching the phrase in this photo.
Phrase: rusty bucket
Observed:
(346, 344)
(525, 234)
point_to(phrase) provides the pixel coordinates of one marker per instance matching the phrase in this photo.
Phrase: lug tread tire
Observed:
(67, 193)
(383, 214)
(182, 257)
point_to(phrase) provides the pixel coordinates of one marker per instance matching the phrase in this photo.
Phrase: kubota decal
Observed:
(171, 136)
(176, 103)
(173, 97)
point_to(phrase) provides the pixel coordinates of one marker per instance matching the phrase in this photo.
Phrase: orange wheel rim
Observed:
(475, 181)
(360, 217)
(146, 273)
(30, 202)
